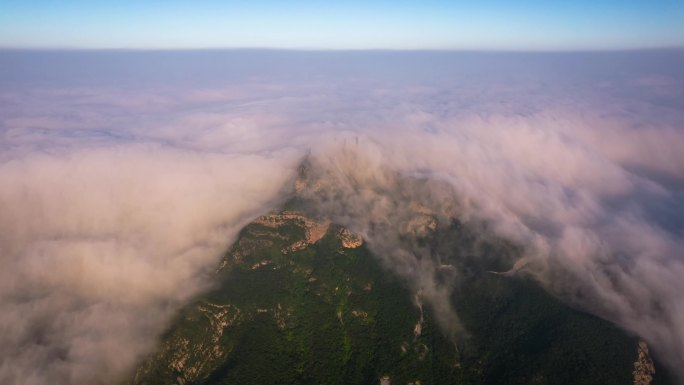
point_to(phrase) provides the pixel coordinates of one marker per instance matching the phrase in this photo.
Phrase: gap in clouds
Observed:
(124, 175)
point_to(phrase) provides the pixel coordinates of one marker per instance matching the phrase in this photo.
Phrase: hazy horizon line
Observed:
(342, 50)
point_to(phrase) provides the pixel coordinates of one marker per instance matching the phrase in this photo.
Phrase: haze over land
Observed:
(125, 175)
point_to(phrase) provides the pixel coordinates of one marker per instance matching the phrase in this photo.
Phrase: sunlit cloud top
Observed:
(487, 25)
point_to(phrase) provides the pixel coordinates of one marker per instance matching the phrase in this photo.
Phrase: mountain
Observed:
(299, 299)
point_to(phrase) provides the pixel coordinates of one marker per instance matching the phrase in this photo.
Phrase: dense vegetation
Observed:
(328, 314)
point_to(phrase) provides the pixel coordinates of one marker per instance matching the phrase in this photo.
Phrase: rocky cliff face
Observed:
(644, 369)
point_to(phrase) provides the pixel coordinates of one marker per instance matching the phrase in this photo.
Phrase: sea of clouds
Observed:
(125, 175)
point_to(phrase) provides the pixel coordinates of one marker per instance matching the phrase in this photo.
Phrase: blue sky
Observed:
(471, 24)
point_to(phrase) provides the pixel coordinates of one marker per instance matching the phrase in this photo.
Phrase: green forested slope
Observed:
(299, 301)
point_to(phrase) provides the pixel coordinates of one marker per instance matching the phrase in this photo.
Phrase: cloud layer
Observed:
(121, 183)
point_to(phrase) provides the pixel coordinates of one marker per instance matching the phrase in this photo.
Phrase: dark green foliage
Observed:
(521, 335)
(324, 314)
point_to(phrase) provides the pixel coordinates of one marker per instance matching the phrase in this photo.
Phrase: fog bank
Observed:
(123, 176)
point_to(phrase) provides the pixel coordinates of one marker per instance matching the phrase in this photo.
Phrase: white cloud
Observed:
(118, 198)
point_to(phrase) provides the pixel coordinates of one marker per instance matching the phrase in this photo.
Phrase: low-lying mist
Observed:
(124, 176)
